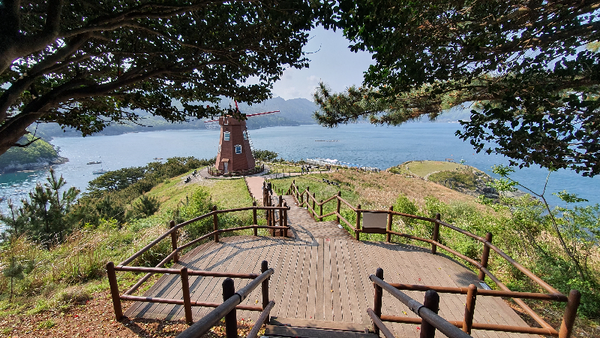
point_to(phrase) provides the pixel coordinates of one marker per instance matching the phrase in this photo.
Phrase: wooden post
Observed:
(265, 193)
(378, 299)
(470, 308)
(285, 219)
(264, 266)
(230, 318)
(280, 231)
(566, 327)
(114, 290)
(216, 223)
(432, 302)
(436, 233)
(321, 211)
(388, 235)
(254, 220)
(357, 228)
(307, 195)
(339, 204)
(187, 303)
(174, 241)
(485, 256)
(314, 202)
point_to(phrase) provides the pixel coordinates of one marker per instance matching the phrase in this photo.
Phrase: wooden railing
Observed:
(430, 321)
(184, 272)
(307, 199)
(231, 301)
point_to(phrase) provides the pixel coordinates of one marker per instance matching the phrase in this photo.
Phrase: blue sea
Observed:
(360, 144)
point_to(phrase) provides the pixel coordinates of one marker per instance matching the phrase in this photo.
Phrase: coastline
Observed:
(43, 163)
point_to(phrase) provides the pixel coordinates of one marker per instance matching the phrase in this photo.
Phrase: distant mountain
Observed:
(292, 113)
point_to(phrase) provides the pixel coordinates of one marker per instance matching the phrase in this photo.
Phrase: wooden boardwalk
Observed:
(322, 274)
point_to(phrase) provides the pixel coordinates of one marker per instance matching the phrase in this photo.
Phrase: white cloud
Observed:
(333, 63)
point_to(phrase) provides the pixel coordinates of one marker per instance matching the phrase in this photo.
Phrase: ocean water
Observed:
(360, 144)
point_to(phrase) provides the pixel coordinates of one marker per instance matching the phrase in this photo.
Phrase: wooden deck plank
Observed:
(344, 291)
(351, 266)
(361, 282)
(294, 285)
(353, 305)
(287, 302)
(327, 281)
(312, 285)
(307, 273)
(282, 292)
(320, 283)
(277, 279)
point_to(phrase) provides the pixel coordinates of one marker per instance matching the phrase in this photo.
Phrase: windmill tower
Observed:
(235, 153)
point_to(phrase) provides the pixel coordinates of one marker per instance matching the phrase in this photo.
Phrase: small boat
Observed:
(94, 162)
(99, 172)
(158, 158)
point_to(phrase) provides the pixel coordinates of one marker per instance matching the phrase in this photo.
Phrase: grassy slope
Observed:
(80, 261)
(375, 190)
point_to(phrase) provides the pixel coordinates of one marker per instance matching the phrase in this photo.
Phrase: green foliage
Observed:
(39, 150)
(44, 215)
(534, 85)
(109, 194)
(116, 180)
(463, 178)
(557, 243)
(16, 270)
(46, 324)
(199, 204)
(405, 205)
(265, 155)
(91, 66)
(146, 206)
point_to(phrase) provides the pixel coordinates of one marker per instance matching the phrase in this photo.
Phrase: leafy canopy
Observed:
(524, 63)
(85, 64)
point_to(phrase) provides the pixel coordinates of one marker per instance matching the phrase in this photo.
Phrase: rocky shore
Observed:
(456, 176)
(42, 163)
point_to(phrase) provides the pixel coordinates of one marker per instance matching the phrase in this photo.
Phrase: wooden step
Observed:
(291, 327)
(311, 323)
(303, 332)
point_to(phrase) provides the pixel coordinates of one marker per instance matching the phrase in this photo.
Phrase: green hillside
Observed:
(39, 153)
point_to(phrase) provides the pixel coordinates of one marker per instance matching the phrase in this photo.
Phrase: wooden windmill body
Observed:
(235, 153)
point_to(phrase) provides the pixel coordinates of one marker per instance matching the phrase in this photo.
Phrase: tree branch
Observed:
(16, 89)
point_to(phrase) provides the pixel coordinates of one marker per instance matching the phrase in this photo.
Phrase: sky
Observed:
(331, 61)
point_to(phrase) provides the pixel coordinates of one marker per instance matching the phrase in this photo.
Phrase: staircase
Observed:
(291, 327)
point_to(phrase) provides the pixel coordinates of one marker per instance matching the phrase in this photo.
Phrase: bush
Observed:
(451, 179)
(146, 206)
(406, 206)
(198, 204)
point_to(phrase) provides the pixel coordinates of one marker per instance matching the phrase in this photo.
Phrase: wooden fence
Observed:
(184, 272)
(381, 222)
(231, 301)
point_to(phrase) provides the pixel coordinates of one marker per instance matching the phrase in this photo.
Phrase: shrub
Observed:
(406, 206)
(146, 206)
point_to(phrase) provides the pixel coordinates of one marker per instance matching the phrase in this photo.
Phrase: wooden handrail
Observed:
(524, 270)
(262, 318)
(180, 225)
(421, 310)
(491, 293)
(204, 324)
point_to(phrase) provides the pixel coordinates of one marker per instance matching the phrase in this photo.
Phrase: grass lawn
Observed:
(423, 168)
